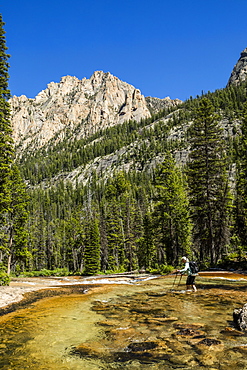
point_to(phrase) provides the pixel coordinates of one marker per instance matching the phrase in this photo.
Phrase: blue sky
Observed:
(164, 48)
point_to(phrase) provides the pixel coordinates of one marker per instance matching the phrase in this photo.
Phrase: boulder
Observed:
(240, 317)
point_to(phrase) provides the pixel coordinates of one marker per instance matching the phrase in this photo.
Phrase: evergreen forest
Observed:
(177, 186)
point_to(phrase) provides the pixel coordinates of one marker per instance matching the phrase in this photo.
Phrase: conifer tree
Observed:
(145, 243)
(6, 142)
(92, 249)
(114, 231)
(6, 148)
(17, 250)
(240, 209)
(207, 177)
(73, 243)
(171, 213)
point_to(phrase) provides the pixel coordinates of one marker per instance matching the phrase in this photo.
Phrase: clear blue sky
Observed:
(164, 48)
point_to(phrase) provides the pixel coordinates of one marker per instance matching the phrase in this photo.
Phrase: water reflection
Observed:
(147, 325)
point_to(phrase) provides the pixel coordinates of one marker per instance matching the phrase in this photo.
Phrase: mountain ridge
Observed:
(91, 104)
(70, 125)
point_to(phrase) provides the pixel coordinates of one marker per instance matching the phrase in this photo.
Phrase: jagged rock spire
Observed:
(239, 72)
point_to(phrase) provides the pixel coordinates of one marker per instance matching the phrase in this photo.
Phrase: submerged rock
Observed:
(95, 349)
(208, 349)
(148, 351)
(161, 320)
(241, 349)
(209, 342)
(232, 332)
(141, 346)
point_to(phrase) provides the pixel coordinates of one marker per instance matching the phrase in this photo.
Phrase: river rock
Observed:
(232, 332)
(207, 345)
(161, 320)
(242, 349)
(240, 317)
(108, 323)
(147, 350)
(95, 349)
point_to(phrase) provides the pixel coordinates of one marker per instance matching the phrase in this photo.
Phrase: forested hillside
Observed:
(140, 195)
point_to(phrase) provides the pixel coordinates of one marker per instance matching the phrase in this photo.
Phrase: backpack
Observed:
(193, 267)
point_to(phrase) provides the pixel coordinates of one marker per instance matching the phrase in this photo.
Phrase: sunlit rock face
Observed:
(81, 107)
(156, 104)
(240, 317)
(239, 73)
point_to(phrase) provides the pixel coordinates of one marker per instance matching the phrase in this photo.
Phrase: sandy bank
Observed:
(20, 286)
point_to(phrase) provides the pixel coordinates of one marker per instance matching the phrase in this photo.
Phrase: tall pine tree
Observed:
(6, 148)
(171, 213)
(240, 209)
(6, 142)
(13, 213)
(17, 250)
(207, 176)
(92, 248)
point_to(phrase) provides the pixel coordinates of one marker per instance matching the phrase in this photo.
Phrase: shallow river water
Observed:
(145, 324)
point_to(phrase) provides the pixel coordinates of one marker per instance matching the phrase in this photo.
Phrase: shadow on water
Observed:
(146, 325)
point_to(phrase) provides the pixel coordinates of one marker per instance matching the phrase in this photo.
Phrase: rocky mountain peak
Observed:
(239, 72)
(88, 105)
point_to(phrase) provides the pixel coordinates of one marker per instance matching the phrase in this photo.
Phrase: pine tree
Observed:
(73, 243)
(6, 142)
(171, 213)
(240, 209)
(16, 222)
(92, 249)
(6, 149)
(145, 243)
(207, 176)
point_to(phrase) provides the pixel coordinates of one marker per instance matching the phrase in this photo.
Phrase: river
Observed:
(142, 323)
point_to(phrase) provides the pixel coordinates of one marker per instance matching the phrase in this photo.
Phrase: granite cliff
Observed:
(239, 73)
(78, 107)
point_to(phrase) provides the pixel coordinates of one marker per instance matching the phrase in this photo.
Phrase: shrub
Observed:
(45, 272)
(161, 269)
(4, 278)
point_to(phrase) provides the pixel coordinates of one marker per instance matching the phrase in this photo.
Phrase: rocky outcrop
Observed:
(156, 104)
(76, 106)
(240, 317)
(239, 72)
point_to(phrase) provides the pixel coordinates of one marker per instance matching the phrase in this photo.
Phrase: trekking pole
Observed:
(180, 279)
(174, 281)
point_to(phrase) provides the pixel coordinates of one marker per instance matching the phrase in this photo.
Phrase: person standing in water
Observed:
(191, 277)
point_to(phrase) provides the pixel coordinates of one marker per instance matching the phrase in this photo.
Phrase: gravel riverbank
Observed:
(18, 287)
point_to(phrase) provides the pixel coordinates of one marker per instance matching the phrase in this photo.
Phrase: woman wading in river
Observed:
(191, 276)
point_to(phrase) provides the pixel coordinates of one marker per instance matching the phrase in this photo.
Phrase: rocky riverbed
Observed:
(19, 287)
(147, 321)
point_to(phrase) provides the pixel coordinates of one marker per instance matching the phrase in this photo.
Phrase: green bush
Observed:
(161, 269)
(4, 278)
(118, 270)
(45, 272)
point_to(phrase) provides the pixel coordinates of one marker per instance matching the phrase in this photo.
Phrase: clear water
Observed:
(101, 329)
